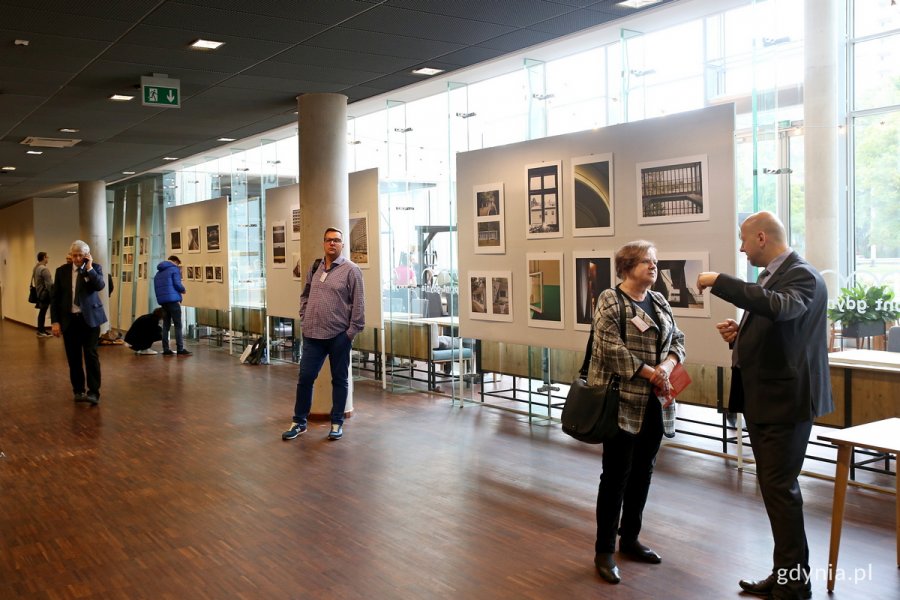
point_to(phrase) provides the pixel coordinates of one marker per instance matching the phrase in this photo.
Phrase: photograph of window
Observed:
(543, 188)
(673, 190)
(545, 290)
(591, 195)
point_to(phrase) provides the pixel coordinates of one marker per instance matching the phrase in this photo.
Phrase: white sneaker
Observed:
(147, 351)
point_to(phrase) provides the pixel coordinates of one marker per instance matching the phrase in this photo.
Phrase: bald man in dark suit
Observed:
(76, 313)
(780, 381)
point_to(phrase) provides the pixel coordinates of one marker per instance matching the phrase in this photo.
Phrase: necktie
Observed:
(734, 353)
(79, 287)
(762, 275)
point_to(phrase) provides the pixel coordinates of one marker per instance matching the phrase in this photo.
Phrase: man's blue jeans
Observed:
(172, 315)
(337, 349)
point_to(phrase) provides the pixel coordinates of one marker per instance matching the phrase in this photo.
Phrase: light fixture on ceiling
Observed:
(127, 172)
(202, 44)
(170, 158)
(22, 42)
(121, 98)
(33, 152)
(72, 192)
(427, 71)
(68, 130)
(226, 139)
(7, 168)
(639, 3)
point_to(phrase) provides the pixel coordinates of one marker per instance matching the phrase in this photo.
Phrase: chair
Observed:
(893, 339)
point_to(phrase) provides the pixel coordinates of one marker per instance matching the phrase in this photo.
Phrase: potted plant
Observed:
(864, 311)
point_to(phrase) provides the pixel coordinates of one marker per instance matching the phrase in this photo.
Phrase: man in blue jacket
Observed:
(76, 313)
(169, 290)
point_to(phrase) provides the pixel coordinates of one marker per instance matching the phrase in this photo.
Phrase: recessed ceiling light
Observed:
(7, 168)
(33, 152)
(22, 42)
(202, 44)
(427, 71)
(72, 192)
(638, 3)
(226, 139)
(127, 172)
(68, 130)
(170, 158)
(121, 98)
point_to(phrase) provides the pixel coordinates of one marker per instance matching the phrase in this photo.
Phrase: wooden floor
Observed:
(179, 486)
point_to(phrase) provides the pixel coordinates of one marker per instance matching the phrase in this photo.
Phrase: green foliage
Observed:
(862, 303)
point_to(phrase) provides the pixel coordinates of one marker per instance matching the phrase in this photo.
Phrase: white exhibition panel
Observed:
(202, 229)
(283, 288)
(537, 220)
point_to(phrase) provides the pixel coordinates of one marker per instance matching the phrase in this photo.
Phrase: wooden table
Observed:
(881, 436)
(864, 384)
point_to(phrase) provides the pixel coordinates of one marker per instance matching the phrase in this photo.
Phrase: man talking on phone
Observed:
(77, 313)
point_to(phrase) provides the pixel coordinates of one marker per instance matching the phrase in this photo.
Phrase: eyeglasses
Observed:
(334, 241)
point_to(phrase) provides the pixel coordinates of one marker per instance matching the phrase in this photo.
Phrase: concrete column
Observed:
(821, 137)
(92, 224)
(324, 199)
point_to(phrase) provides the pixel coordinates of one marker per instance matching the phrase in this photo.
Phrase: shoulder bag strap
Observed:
(585, 365)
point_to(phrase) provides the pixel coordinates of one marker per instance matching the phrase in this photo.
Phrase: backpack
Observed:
(257, 352)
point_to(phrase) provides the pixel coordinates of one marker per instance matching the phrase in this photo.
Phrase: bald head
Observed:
(763, 237)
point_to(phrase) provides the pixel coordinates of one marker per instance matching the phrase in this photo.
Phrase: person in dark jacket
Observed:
(144, 331)
(169, 291)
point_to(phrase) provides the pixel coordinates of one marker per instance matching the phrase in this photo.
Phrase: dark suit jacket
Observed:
(782, 345)
(91, 306)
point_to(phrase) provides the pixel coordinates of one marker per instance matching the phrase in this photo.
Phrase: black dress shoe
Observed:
(606, 567)
(636, 550)
(766, 587)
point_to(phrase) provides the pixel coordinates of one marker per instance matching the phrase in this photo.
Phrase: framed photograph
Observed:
(210, 273)
(193, 241)
(278, 245)
(591, 196)
(115, 248)
(212, 238)
(675, 190)
(358, 244)
(198, 273)
(219, 273)
(489, 219)
(128, 242)
(297, 270)
(490, 296)
(543, 187)
(128, 258)
(143, 246)
(592, 273)
(677, 281)
(175, 241)
(545, 290)
(295, 224)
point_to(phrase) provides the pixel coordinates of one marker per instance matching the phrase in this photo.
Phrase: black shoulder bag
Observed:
(591, 413)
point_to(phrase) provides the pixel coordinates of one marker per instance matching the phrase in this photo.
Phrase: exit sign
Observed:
(161, 91)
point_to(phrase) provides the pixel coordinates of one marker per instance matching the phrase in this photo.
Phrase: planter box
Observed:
(863, 329)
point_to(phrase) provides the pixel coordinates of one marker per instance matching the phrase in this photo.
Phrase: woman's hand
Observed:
(661, 372)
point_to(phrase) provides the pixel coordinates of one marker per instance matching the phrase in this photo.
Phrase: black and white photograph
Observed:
(478, 295)
(278, 245)
(543, 186)
(193, 235)
(143, 247)
(358, 244)
(489, 219)
(198, 273)
(677, 281)
(175, 241)
(674, 190)
(219, 273)
(592, 273)
(212, 238)
(590, 193)
(210, 273)
(297, 271)
(545, 289)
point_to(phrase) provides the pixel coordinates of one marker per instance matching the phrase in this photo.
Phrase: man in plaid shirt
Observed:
(332, 312)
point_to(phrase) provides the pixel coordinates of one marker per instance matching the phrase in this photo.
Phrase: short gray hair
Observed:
(79, 245)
